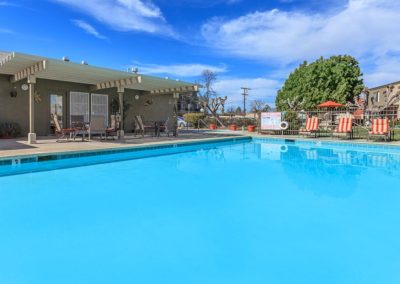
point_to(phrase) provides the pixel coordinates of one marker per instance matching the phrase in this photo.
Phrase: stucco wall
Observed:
(17, 109)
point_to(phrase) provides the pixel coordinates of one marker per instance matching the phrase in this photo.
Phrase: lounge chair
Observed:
(97, 126)
(144, 127)
(163, 127)
(312, 126)
(345, 127)
(380, 128)
(62, 133)
(112, 130)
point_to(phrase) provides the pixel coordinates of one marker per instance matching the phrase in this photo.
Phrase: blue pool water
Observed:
(246, 212)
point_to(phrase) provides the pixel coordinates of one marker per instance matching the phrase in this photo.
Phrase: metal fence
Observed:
(329, 120)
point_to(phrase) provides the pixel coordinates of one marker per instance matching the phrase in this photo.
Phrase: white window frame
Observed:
(93, 106)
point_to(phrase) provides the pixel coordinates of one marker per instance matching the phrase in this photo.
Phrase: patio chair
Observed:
(62, 133)
(380, 128)
(312, 126)
(163, 127)
(112, 130)
(144, 127)
(345, 127)
(97, 126)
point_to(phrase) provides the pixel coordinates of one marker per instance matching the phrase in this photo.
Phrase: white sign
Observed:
(271, 120)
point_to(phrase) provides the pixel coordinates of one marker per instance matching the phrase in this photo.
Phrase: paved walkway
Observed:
(18, 147)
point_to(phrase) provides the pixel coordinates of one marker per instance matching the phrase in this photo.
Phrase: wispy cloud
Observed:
(124, 15)
(366, 29)
(7, 3)
(88, 28)
(6, 31)
(179, 70)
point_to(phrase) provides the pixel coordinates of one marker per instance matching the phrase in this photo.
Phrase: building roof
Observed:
(19, 66)
(385, 85)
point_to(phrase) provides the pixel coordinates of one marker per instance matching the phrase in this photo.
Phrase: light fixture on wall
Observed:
(136, 97)
(14, 93)
(24, 87)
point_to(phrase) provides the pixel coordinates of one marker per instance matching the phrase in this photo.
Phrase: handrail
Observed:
(198, 124)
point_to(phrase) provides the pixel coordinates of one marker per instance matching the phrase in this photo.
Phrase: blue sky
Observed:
(248, 43)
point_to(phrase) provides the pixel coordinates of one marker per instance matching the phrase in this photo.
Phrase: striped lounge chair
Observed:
(380, 128)
(345, 127)
(312, 126)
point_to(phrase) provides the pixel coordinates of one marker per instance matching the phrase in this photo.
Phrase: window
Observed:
(56, 108)
(99, 106)
(79, 107)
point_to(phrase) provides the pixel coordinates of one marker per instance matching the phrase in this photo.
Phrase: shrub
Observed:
(10, 129)
(193, 117)
(292, 118)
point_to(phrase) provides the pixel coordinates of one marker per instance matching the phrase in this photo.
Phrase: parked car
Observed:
(181, 122)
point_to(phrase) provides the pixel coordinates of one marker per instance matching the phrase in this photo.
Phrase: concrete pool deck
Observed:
(48, 145)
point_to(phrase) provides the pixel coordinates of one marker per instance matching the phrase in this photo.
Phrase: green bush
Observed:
(193, 117)
(10, 129)
(292, 118)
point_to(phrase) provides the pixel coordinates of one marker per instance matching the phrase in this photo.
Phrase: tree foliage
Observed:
(337, 78)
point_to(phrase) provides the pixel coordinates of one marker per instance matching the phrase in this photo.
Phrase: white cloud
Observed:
(179, 70)
(6, 3)
(6, 31)
(261, 88)
(88, 28)
(366, 29)
(386, 70)
(124, 15)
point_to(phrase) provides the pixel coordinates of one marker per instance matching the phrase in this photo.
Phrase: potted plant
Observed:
(9, 130)
(233, 127)
(213, 124)
(251, 128)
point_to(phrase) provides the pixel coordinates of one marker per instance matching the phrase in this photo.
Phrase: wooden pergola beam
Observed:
(184, 89)
(29, 71)
(117, 83)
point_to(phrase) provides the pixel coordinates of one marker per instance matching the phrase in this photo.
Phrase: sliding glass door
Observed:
(79, 108)
(99, 106)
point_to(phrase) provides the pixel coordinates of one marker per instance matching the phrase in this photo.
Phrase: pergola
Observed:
(29, 67)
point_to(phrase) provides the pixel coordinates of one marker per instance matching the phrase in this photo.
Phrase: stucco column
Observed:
(175, 114)
(31, 134)
(120, 91)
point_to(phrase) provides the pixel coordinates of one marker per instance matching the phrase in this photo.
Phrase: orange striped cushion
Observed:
(345, 125)
(380, 126)
(312, 124)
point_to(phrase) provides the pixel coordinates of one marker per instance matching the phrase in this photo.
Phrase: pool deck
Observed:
(48, 145)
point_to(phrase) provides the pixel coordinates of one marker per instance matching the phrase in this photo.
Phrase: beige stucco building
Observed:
(385, 97)
(32, 88)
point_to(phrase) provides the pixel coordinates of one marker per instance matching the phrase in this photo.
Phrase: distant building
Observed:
(384, 98)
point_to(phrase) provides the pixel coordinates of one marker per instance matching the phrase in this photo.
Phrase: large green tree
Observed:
(337, 78)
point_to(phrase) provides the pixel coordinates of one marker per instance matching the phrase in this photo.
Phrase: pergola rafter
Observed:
(118, 83)
(29, 71)
(184, 89)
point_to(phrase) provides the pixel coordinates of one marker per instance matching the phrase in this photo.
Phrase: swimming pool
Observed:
(251, 211)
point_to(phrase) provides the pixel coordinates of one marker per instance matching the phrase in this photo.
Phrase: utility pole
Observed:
(244, 94)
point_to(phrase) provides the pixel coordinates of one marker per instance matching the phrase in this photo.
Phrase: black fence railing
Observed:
(329, 121)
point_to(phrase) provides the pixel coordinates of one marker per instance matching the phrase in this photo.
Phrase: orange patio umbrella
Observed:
(330, 104)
